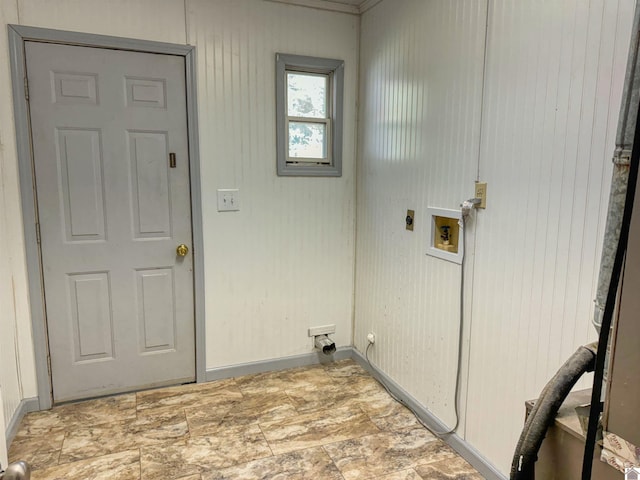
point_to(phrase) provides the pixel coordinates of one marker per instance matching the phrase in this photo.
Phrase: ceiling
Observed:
(355, 7)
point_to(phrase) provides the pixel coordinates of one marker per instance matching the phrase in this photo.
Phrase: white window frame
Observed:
(331, 166)
(326, 121)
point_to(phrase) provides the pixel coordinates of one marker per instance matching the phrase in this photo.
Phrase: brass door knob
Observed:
(182, 250)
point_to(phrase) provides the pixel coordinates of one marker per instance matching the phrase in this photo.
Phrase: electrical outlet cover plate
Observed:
(409, 219)
(481, 193)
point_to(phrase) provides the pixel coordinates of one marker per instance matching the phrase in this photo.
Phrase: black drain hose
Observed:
(545, 410)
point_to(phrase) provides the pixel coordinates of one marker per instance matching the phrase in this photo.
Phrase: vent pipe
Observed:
(620, 177)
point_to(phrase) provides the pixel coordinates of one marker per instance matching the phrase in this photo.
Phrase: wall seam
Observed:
(482, 88)
(355, 185)
(475, 226)
(186, 22)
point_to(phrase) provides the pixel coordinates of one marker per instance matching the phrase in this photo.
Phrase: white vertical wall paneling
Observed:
(4, 454)
(9, 369)
(17, 371)
(420, 97)
(285, 261)
(554, 77)
(160, 20)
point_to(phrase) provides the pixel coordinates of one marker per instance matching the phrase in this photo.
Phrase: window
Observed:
(309, 93)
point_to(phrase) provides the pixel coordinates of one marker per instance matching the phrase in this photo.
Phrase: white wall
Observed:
(555, 72)
(286, 260)
(17, 373)
(420, 99)
(554, 76)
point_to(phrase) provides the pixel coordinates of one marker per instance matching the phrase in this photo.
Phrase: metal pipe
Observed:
(325, 344)
(620, 176)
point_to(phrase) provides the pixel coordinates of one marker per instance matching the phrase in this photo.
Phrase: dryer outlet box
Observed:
(324, 330)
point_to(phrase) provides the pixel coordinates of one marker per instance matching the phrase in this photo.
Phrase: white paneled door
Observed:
(110, 151)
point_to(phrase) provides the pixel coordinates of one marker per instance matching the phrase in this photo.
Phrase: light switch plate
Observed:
(228, 199)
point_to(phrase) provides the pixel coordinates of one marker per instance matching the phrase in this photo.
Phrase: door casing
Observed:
(17, 36)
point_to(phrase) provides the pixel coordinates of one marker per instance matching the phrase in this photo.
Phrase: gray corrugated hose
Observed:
(545, 410)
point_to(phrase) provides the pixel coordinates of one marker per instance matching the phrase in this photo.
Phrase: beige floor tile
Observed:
(91, 412)
(24, 447)
(345, 368)
(261, 383)
(454, 468)
(188, 396)
(37, 456)
(47, 422)
(119, 466)
(90, 442)
(398, 419)
(310, 400)
(410, 474)
(85, 442)
(377, 404)
(357, 384)
(251, 408)
(312, 463)
(199, 455)
(311, 377)
(385, 453)
(158, 425)
(318, 428)
(340, 391)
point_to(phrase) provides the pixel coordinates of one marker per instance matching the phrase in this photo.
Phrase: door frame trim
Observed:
(18, 35)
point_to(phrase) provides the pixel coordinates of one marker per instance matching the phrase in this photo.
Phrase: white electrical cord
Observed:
(467, 207)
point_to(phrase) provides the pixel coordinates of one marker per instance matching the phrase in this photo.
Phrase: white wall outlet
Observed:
(323, 330)
(228, 199)
(371, 338)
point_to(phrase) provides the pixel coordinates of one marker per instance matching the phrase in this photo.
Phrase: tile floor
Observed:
(320, 422)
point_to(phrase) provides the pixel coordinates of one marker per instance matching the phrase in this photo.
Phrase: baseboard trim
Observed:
(470, 454)
(304, 360)
(26, 405)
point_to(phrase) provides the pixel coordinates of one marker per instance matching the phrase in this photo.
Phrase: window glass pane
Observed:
(307, 140)
(307, 95)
